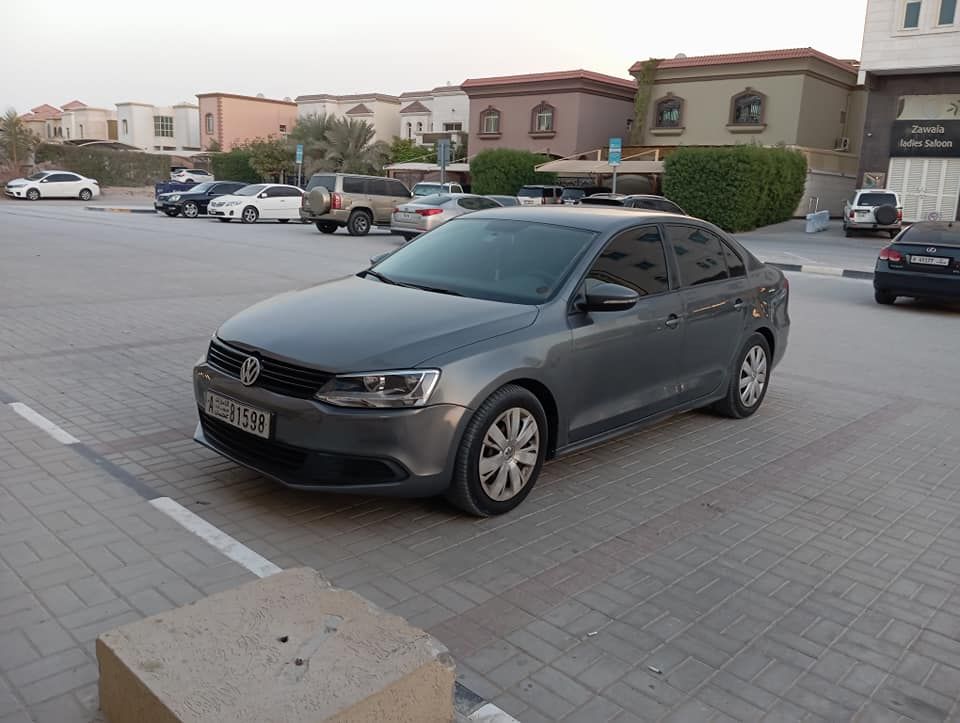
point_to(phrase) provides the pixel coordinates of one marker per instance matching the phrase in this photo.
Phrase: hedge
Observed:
(738, 188)
(504, 170)
(108, 166)
(234, 166)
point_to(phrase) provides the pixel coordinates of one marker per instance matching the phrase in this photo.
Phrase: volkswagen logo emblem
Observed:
(249, 371)
(931, 249)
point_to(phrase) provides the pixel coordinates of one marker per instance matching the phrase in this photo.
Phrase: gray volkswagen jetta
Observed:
(462, 361)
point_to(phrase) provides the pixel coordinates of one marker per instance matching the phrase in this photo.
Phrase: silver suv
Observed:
(338, 200)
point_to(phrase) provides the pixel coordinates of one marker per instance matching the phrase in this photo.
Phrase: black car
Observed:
(644, 202)
(923, 261)
(194, 202)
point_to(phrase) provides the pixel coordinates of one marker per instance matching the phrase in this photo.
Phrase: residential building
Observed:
(910, 65)
(44, 122)
(797, 97)
(426, 116)
(558, 114)
(74, 121)
(231, 119)
(379, 110)
(160, 128)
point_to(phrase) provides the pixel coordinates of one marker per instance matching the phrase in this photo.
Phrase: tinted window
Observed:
(699, 255)
(634, 259)
(60, 177)
(354, 185)
(528, 192)
(482, 203)
(327, 182)
(276, 192)
(468, 203)
(227, 187)
(203, 187)
(668, 206)
(735, 264)
(499, 259)
(377, 187)
(395, 188)
(877, 199)
(289, 191)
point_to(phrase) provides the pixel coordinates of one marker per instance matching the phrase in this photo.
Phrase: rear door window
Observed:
(377, 187)
(700, 255)
(395, 188)
(354, 185)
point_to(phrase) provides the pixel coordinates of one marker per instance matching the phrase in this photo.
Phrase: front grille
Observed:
(250, 448)
(276, 376)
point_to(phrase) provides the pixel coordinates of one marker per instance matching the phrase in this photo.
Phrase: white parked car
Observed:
(192, 175)
(53, 184)
(429, 188)
(259, 201)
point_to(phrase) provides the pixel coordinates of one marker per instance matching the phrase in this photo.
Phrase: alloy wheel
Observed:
(753, 376)
(508, 457)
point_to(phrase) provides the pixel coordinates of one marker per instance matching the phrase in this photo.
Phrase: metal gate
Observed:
(929, 188)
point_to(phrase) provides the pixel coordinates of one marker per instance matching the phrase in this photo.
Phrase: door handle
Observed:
(738, 304)
(672, 321)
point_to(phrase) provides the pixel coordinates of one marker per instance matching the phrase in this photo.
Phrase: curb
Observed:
(108, 209)
(824, 270)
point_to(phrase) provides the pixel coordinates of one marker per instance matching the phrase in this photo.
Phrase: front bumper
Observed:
(166, 206)
(16, 192)
(224, 211)
(319, 447)
(917, 284)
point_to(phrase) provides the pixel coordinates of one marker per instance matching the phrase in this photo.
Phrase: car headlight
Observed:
(393, 389)
(231, 203)
(174, 197)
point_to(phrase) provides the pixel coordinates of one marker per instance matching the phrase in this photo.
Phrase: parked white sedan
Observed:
(259, 201)
(53, 184)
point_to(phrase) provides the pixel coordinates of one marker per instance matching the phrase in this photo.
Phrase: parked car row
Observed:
(53, 184)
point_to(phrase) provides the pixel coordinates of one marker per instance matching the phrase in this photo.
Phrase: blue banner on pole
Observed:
(616, 152)
(299, 153)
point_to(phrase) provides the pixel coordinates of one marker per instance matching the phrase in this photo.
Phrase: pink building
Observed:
(232, 119)
(559, 114)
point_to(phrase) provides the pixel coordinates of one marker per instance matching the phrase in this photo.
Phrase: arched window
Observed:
(409, 130)
(747, 108)
(419, 127)
(208, 122)
(490, 122)
(668, 112)
(81, 132)
(543, 118)
(126, 127)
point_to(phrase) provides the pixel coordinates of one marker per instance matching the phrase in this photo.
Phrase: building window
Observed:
(49, 131)
(208, 122)
(669, 112)
(283, 129)
(490, 122)
(948, 12)
(81, 131)
(911, 15)
(452, 127)
(419, 127)
(409, 130)
(542, 118)
(747, 109)
(68, 134)
(125, 126)
(163, 126)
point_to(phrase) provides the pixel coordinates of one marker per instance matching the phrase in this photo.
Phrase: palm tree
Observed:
(350, 147)
(16, 140)
(311, 131)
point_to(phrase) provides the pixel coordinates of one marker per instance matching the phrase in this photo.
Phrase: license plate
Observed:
(241, 416)
(863, 214)
(929, 260)
(404, 216)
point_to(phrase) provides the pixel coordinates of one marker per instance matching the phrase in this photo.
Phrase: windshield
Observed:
(425, 189)
(519, 262)
(327, 182)
(877, 199)
(202, 187)
(250, 190)
(528, 192)
(37, 176)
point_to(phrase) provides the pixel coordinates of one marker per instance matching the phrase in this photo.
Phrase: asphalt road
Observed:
(802, 563)
(788, 243)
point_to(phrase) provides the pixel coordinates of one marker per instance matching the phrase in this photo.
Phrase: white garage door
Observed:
(926, 186)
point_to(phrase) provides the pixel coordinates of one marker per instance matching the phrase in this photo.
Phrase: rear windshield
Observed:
(528, 192)
(602, 201)
(437, 199)
(934, 235)
(877, 199)
(327, 182)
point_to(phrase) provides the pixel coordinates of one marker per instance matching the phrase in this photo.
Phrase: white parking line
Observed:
(235, 550)
(41, 422)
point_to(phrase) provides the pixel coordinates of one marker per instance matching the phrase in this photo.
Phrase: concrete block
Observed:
(287, 648)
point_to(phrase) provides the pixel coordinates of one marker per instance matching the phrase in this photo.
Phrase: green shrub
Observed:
(504, 171)
(738, 188)
(234, 165)
(108, 166)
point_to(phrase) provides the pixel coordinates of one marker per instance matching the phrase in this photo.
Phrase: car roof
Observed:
(591, 218)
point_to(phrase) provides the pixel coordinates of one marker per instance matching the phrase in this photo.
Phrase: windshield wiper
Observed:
(434, 289)
(380, 277)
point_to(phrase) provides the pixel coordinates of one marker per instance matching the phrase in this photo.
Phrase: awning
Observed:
(427, 167)
(600, 167)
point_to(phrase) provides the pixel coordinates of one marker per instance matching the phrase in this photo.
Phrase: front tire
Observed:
(501, 453)
(326, 227)
(33, 195)
(249, 215)
(191, 210)
(884, 297)
(749, 380)
(171, 212)
(359, 223)
(86, 194)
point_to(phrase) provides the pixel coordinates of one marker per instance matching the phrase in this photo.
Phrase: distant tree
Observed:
(403, 151)
(234, 165)
(16, 140)
(505, 170)
(311, 131)
(351, 148)
(271, 158)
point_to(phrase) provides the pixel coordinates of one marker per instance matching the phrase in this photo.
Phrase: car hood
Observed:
(359, 324)
(13, 183)
(231, 197)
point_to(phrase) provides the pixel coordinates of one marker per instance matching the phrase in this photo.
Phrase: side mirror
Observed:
(609, 297)
(374, 260)
(262, 195)
(43, 180)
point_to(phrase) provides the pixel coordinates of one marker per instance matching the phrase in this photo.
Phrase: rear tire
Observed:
(884, 297)
(359, 223)
(515, 416)
(86, 194)
(249, 215)
(326, 227)
(749, 379)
